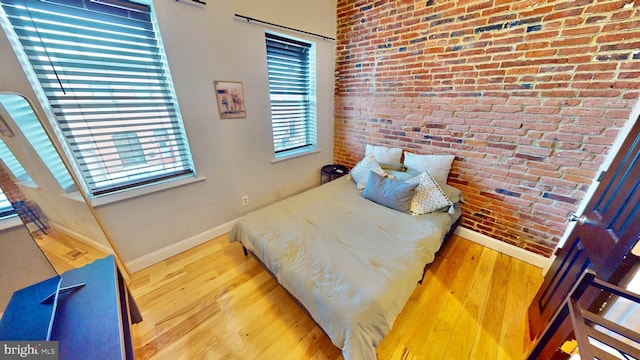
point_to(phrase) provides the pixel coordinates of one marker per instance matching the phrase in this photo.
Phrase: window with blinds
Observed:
(102, 67)
(6, 209)
(20, 111)
(11, 162)
(290, 64)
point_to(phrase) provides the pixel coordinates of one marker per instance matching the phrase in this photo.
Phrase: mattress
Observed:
(351, 263)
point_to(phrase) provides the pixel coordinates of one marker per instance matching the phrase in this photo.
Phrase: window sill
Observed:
(294, 155)
(27, 183)
(11, 222)
(133, 193)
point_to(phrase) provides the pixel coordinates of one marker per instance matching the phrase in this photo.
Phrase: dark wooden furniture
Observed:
(588, 324)
(332, 172)
(89, 322)
(601, 241)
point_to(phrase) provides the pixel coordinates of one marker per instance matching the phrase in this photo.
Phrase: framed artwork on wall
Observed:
(230, 99)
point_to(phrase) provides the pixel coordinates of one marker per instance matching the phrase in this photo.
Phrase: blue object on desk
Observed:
(91, 322)
(26, 318)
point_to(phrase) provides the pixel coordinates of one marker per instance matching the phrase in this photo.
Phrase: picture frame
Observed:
(230, 99)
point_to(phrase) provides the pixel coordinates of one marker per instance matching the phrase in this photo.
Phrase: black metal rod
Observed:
(196, 1)
(250, 19)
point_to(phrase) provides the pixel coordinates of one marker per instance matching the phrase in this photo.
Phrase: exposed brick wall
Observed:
(9, 188)
(529, 95)
(13, 193)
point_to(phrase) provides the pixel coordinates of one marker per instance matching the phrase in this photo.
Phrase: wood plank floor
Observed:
(211, 302)
(65, 252)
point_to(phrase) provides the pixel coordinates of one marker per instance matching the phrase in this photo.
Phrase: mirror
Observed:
(50, 209)
(22, 263)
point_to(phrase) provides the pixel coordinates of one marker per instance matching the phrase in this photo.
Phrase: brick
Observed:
(569, 13)
(571, 75)
(559, 198)
(529, 157)
(617, 37)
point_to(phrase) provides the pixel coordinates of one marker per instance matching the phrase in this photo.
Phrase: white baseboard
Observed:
(503, 247)
(63, 229)
(175, 249)
(184, 245)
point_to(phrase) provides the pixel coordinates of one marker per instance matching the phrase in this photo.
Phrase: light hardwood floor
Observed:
(65, 252)
(212, 302)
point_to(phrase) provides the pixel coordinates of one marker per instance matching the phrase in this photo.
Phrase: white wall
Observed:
(203, 44)
(59, 211)
(21, 262)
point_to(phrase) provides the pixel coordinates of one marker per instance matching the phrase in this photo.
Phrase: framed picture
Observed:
(230, 98)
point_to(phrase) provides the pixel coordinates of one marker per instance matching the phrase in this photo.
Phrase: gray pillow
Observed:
(391, 193)
(452, 193)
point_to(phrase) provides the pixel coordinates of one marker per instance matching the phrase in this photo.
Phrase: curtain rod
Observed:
(196, 1)
(250, 19)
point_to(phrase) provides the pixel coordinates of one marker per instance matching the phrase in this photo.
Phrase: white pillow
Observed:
(399, 175)
(384, 154)
(360, 172)
(437, 165)
(429, 196)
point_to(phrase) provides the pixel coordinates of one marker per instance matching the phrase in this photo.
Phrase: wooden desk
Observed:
(91, 322)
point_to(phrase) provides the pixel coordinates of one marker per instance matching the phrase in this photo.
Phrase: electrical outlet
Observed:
(245, 200)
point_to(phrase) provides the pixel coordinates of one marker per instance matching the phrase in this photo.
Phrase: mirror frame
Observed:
(87, 201)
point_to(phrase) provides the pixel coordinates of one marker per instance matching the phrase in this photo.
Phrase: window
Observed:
(19, 109)
(102, 69)
(6, 210)
(129, 149)
(10, 161)
(291, 67)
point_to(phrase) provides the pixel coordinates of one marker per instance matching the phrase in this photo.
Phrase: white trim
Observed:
(132, 193)
(63, 229)
(176, 248)
(613, 151)
(143, 190)
(189, 243)
(503, 247)
(11, 222)
(295, 154)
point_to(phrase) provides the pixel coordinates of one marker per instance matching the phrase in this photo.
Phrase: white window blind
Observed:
(6, 209)
(103, 70)
(12, 163)
(23, 116)
(292, 93)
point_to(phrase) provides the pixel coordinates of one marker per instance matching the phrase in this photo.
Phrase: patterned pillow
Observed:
(429, 196)
(360, 172)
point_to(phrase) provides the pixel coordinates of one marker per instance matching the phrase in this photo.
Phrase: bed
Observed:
(350, 262)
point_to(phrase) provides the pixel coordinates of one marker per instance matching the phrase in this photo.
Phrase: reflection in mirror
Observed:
(22, 263)
(44, 200)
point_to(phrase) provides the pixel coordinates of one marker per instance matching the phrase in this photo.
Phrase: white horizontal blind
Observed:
(6, 209)
(290, 93)
(10, 161)
(22, 114)
(103, 71)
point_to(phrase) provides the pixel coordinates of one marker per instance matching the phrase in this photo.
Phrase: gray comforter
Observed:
(353, 264)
